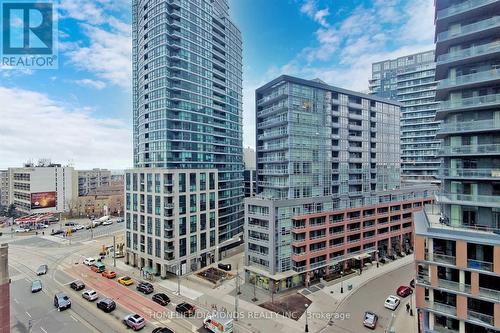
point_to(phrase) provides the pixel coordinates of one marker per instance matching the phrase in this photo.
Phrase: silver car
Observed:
(42, 270)
(36, 286)
(90, 295)
(134, 321)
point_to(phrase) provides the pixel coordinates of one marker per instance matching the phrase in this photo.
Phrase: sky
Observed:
(81, 114)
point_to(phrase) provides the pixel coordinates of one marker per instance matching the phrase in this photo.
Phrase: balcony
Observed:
(454, 286)
(273, 171)
(468, 80)
(487, 174)
(480, 318)
(469, 103)
(272, 110)
(442, 308)
(462, 7)
(441, 258)
(485, 49)
(271, 97)
(469, 29)
(469, 199)
(480, 265)
(489, 293)
(484, 149)
(273, 147)
(469, 126)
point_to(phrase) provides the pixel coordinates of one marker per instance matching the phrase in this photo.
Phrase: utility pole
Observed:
(114, 251)
(236, 297)
(178, 278)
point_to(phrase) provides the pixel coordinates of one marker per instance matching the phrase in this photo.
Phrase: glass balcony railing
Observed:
(471, 149)
(479, 264)
(471, 173)
(470, 79)
(441, 307)
(478, 101)
(479, 125)
(441, 258)
(480, 317)
(462, 7)
(469, 28)
(489, 293)
(470, 52)
(455, 286)
(472, 198)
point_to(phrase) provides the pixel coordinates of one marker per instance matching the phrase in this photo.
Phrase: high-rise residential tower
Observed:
(458, 241)
(410, 80)
(187, 97)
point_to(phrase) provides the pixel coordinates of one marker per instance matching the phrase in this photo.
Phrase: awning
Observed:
(363, 256)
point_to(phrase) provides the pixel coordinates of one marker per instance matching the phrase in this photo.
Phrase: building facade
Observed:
(410, 80)
(90, 180)
(4, 288)
(250, 182)
(4, 188)
(187, 96)
(42, 189)
(319, 148)
(171, 219)
(459, 243)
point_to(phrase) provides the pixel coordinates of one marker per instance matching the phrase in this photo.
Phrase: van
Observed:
(98, 267)
(89, 261)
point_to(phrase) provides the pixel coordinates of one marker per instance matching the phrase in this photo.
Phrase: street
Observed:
(371, 297)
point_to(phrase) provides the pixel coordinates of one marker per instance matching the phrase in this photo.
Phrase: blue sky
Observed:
(81, 112)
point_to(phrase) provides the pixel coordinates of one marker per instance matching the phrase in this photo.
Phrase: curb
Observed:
(365, 282)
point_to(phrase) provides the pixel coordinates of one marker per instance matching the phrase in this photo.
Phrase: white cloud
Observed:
(108, 52)
(95, 84)
(35, 126)
(108, 55)
(309, 8)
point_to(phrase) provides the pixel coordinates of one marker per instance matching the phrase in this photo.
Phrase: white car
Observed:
(392, 302)
(90, 295)
(22, 230)
(89, 261)
(79, 227)
(108, 222)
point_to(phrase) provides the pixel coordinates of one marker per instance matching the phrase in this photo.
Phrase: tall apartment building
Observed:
(171, 219)
(187, 97)
(45, 188)
(90, 180)
(410, 80)
(458, 242)
(319, 148)
(4, 188)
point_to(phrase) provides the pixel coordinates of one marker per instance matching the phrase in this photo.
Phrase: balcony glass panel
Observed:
(470, 78)
(470, 28)
(480, 317)
(462, 7)
(477, 101)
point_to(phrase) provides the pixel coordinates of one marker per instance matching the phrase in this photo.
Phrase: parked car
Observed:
(162, 330)
(412, 283)
(98, 267)
(89, 261)
(120, 220)
(134, 321)
(185, 309)
(79, 227)
(36, 286)
(18, 230)
(109, 274)
(161, 299)
(90, 295)
(57, 232)
(108, 222)
(404, 291)
(370, 320)
(42, 270)
(126, 281)
(145, 287)
(106, 304)
(77, 285)
(61, 301)
(225, 267)
(392, 302)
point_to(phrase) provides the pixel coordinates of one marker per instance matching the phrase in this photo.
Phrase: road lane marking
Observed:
(28, 314)
(73, 318)
(43, 329)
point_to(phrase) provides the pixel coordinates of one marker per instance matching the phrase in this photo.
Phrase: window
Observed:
(193, 220)
(192, 203)
(182, 226)
(182, 182)
(192, 182)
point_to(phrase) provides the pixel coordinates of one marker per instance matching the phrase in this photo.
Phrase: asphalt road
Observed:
(371, 297)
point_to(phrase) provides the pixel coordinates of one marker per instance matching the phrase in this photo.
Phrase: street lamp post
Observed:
(307, 324)
(341, 282)
(179, 278)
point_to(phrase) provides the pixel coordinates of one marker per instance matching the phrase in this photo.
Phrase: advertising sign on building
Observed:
(43, 200)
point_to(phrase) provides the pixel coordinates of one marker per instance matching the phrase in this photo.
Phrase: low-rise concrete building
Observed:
(90, 180)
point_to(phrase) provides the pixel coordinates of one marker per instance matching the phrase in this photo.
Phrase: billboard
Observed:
(43, 200)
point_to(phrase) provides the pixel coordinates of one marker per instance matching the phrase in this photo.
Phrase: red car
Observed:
(404, 291)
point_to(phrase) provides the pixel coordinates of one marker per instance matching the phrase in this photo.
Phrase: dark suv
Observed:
(145, 287)
(77, 285)
(161, 299)
(61, 301)
(106, 304)
(185, 309)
